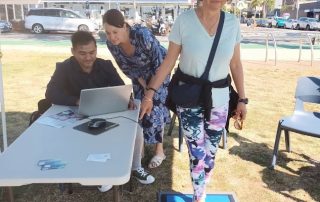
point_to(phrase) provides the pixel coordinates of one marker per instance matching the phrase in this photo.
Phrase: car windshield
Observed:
(80, 15)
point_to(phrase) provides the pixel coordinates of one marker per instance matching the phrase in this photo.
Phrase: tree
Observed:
(265, 4)
(286, 8)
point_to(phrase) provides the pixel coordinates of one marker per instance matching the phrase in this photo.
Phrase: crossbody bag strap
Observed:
(205, 75)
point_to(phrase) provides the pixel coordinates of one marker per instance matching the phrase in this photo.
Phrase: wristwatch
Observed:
(244, 100)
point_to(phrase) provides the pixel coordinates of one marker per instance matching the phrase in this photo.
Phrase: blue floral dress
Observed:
(144, 63)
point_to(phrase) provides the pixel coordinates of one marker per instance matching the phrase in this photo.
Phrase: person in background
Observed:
(139, 54)
(102, 11)
(202, 136)
(84, 70)
(88, 13)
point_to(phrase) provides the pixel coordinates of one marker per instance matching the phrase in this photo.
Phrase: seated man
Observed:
(82, 71)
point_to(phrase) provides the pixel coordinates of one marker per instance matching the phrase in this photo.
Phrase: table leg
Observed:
(130, 185)
(8, 193)
(116, 194)
(70, 188)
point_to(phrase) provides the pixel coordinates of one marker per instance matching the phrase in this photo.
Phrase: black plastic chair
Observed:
(173, 120)
(43, 105)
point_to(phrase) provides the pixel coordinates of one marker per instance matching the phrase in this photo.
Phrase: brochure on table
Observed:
(61, 119)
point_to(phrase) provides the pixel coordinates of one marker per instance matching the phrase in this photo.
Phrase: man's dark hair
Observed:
(82, 38)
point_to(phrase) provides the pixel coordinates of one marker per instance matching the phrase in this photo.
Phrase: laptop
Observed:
(96, 101)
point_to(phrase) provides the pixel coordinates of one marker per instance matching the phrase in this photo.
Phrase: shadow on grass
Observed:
(284, 179)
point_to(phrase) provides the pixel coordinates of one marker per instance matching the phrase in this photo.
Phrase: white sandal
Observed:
(156, 161)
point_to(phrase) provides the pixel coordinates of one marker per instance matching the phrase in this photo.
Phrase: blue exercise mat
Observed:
(179, 197)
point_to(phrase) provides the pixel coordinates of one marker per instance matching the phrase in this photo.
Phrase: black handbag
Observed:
(190, 94)
(187, 95)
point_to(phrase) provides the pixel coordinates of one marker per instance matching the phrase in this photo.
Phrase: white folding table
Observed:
(19, 161)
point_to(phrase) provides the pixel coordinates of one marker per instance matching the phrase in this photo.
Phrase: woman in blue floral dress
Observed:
(139, 54)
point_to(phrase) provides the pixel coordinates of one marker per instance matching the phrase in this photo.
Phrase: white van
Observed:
(57, 19)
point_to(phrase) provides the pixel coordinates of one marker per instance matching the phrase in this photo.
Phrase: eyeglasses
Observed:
(238, 124)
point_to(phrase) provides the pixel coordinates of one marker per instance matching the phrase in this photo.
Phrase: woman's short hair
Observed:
(114, 17)
(82, 38)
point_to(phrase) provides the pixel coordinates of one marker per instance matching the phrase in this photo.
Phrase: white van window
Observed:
(50, 13)
(35, 12)
(68, 14)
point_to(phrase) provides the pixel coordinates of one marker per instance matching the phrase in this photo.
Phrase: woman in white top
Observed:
(191, 38)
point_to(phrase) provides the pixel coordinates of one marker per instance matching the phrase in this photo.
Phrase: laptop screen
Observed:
(97, 101)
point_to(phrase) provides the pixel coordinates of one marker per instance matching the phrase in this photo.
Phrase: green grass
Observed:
(242, 168)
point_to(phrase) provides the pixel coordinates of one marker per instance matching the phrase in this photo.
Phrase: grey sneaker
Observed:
(143, 176)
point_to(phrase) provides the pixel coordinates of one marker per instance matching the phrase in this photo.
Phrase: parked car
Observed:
(249, 21)
(278, 22)
(57, 19)
(308, 23)
(5, 26)
(269, 19)
(262, 23)
(290, 24)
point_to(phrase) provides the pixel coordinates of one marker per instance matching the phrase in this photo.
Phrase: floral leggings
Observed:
(202, 138)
